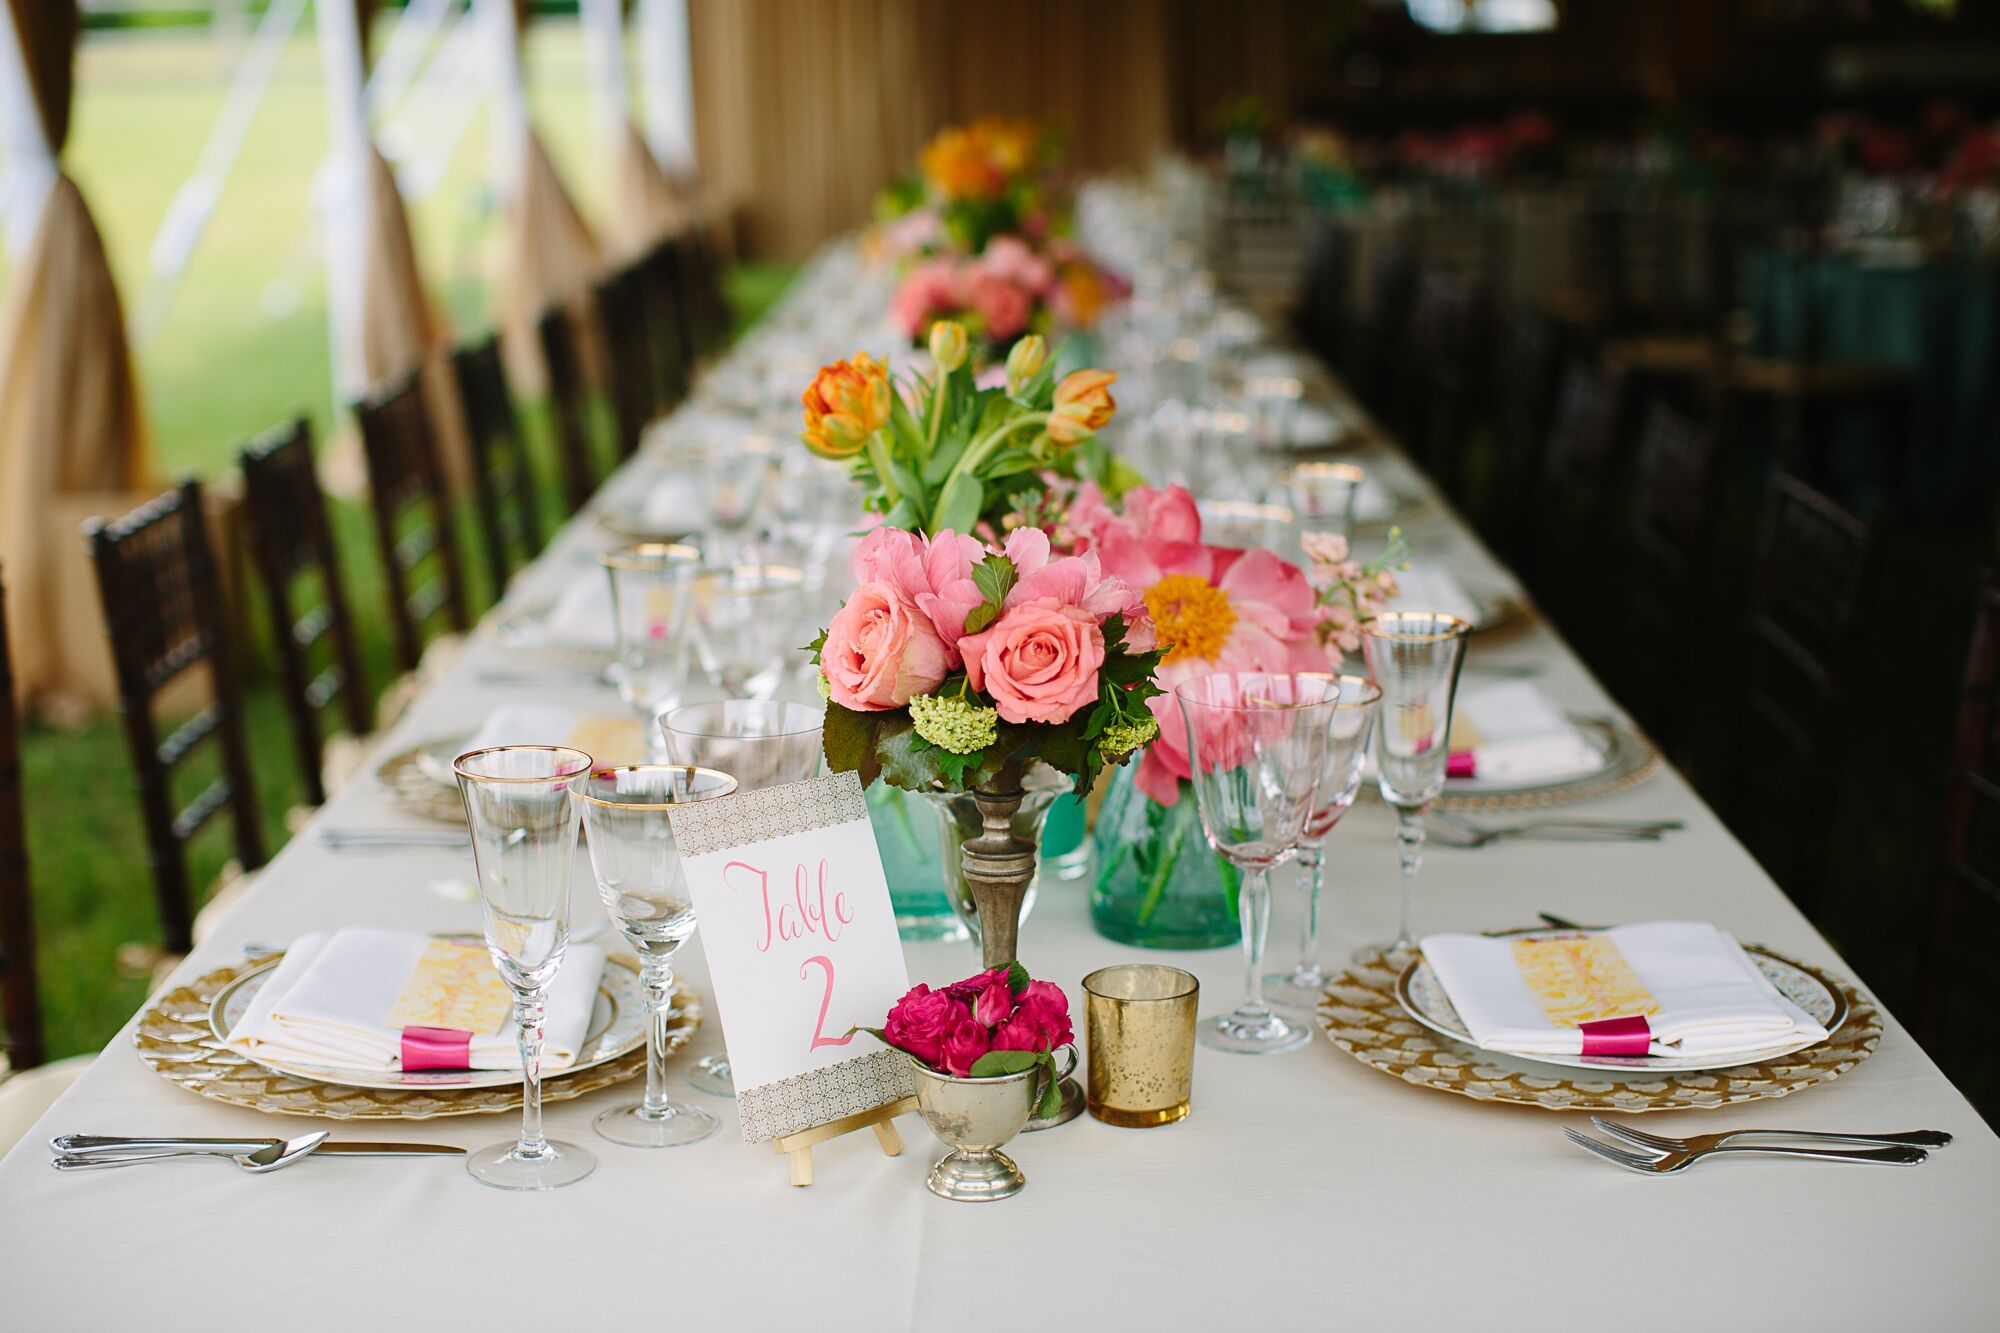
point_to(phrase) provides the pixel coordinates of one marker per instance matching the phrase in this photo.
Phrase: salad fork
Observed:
(1669, 1163)
(1660, 1143)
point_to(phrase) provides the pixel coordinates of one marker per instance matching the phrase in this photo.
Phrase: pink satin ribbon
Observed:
(1632, 1035)
(1459, 765)
(437, 1048)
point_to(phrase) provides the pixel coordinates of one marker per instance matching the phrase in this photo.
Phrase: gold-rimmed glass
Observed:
(1346, 753)
(523, 840)
(639, 877)
(1257, 747)
(1246, 523)
(1325, 495)
(1415, 656)
(1139, 1019)
(763, 743)
(649, 610)
(749, 621)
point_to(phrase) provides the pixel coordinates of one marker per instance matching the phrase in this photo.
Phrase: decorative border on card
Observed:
(773, 1110)
(772, 812)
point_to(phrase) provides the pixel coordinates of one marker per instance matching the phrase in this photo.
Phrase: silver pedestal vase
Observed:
(975, 1118)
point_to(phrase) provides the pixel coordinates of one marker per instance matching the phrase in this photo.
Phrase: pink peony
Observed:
(963, 1045)
(920, 1022)
(931, 290)
(881, 651)
(936, 575)
(1078, 581)
(1038, 662)
(1002, 307)
(1011, 260)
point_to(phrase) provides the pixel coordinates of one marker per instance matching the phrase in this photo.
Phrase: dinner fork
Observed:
(1920, 1138)
(1452, 831)
(1666, 1164)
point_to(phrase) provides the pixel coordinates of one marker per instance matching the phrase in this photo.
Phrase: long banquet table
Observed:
(1304, 1188)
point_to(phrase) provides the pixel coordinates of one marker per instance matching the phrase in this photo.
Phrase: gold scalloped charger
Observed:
(1360, 1013)
(419, 779)
(176, 1039)
(1628, 759)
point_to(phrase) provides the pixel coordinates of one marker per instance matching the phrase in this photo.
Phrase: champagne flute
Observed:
(1257, 748)
(1415, 657)
(649, 609)
(1347, 749)
(639, 877)
(763, 742)
(523, 839)
(749, 618)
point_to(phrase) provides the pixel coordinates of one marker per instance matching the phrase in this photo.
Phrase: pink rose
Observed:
(1041, 1023)
(936, 575)
(1003, 307)
(1038, 662)
(931, 290)
(881, 651)
(920, 1021)
(963, 1046)
(994, 1004)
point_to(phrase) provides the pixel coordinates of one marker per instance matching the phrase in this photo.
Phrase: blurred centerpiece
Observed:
(985, 671)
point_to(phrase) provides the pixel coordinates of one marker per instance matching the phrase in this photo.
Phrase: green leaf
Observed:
(906, 435)
(905, 514)
(907, 760)
(995, 576)
(816, 646)
(958, 504)
(1017, 977)
(999, 1064)
(1051, 1101)
(848, 738)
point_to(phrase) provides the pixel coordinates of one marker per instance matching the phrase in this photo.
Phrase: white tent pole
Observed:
(342, 194)
(412, 36)
(27, 161)
(604, 54)
(510, 98)
(442, 105)
(666, 66)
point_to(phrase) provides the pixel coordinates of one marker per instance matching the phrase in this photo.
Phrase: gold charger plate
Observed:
(409, 778)
(1629, 759)
(1359, 1013)
(175, 1039)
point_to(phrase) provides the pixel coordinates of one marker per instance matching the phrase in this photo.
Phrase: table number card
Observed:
(801, 942)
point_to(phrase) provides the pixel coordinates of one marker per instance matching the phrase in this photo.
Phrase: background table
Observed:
(1303, 1187)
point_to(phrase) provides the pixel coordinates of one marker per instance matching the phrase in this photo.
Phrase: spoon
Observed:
(276, 1157)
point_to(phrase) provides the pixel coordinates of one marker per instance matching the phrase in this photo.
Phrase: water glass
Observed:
(523, 839)
(1415, 657)
(1325, 495)
(1257, 746)
(649, 613)
(1245, 524)
(735, 477)
(645, 891)
(1140, 1020)
(749, 621)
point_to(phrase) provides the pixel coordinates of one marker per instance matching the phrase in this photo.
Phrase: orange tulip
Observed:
(846, 403)
(957, 165)
(1083, 405)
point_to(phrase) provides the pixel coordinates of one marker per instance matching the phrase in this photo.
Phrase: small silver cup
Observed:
(975, 1117)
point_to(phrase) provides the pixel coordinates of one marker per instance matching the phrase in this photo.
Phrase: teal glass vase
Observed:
(1159, 885)
(906, 834)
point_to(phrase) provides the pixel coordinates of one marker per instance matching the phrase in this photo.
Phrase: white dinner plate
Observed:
(1423, 996)
(617, 1025)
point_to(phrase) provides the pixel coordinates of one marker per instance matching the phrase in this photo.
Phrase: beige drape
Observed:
(72, 436)
(645, 204)
(550, 258)
(804, 111)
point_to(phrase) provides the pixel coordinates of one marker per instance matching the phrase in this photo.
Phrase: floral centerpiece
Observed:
(961, 661)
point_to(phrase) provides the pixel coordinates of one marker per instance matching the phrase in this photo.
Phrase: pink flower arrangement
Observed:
(1006, 291)
(997, 1023)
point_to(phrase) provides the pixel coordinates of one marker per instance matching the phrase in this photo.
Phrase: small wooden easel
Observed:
(882, 1119)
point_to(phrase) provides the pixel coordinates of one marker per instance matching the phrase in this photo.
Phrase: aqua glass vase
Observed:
(1159, 885)
(906, 833)
(1067, 852)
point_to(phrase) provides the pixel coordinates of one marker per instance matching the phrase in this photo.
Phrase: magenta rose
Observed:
(881, 651)
(968, 990)
(994, 1004)
(920, 1022)
(963, 1046)
(1038, 662)
(1040, 1023)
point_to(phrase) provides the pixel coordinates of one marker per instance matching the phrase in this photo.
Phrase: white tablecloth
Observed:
(1304, 1188)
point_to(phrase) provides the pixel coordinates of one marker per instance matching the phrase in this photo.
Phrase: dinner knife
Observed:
(91, 1145)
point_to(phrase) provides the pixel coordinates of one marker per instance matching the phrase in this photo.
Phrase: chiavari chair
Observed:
(569, 405)
(1574, 522)
(1444, 374)
(1673, 516)
(1814, 565)
(1326, 292)
(670, 323)
(504, 493)
(621, 305)
(298, 566)
(163, 611)
(1524, 400)
(1385, 330)
(413, 520)
(1958, 988)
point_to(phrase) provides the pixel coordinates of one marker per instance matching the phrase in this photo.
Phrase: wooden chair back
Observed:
(621, 305)
(1571, 518)
(1673, 521)
(670, 324)
(1523, 402)
(163, 610)
(298, 567)
(20, 994)
(569, 405)
(505, 497)
(413, 519)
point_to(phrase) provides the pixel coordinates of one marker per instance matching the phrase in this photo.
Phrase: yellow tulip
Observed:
(1025, 361)
(1083, 406)
(948, 345)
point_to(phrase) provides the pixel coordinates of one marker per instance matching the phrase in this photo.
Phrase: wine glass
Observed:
(1347, 748)
(1257, 748)
(649, 610)
(749, 620)
(1324, 494)
(523, 838)
(639, 877)
(735, 479)
(1415, 657)
(764, 743)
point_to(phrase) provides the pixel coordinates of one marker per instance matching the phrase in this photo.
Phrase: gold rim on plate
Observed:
(175, 1041)
(1630, 759)
(1359, 1013)
(409, 779)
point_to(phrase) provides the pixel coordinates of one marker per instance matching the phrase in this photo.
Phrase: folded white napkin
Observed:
(343, 999)
(608, 740)
(1699, 993)
(1510, 732)
(1428, 588)
(582, 615)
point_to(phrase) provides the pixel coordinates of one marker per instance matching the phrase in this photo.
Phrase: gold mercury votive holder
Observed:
(1139, 1020)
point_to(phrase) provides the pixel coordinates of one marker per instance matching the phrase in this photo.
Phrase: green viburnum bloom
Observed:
(954, 723)
(1121, 737)
(825, 685)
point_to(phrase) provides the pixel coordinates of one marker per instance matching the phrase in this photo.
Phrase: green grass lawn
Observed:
(242, 346)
